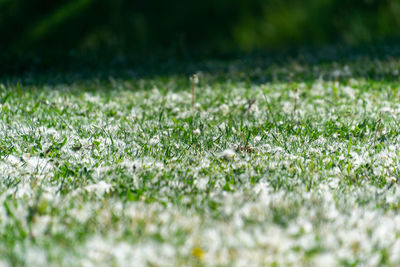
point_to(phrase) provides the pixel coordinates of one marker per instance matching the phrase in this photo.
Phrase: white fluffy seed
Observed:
(228, 154)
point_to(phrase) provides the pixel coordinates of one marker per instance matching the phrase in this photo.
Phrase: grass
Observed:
(291, 164)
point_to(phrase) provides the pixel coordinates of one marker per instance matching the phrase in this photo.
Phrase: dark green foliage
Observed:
(50, 28)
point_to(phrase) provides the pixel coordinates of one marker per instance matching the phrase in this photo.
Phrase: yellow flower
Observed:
(198, 253)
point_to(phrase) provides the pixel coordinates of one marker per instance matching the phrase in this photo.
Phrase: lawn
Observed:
(276, 164)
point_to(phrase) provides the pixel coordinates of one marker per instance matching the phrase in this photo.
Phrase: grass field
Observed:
(275, 165)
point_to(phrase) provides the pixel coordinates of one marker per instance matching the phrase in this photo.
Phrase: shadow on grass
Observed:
(374, 62)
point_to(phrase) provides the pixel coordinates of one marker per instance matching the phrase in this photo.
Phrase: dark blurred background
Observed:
(50, 32)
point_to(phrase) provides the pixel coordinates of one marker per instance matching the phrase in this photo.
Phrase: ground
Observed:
(274, 165)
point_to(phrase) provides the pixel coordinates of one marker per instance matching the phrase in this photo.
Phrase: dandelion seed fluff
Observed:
(155, 140)
(228, 154)
(100, 188)
(197, 132)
